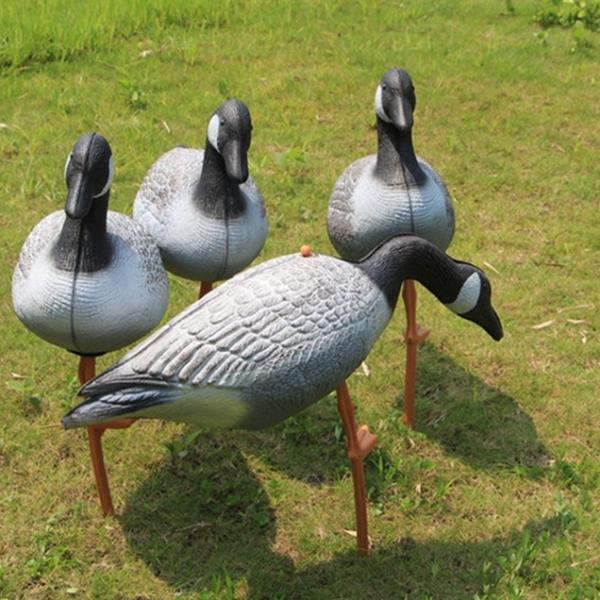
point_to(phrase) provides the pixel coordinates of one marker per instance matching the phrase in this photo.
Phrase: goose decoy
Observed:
(277, 338)
(88, 279)
(201, 207)
(391, 192)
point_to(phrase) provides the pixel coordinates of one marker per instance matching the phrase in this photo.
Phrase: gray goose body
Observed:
(91, 312)
(89, 283)
(393, 191)
(201, 207)
(275, 339)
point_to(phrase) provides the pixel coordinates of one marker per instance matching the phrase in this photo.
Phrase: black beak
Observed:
(487, 319)
(494, 326)
(401, 114)
(79, 197)
(236, 161)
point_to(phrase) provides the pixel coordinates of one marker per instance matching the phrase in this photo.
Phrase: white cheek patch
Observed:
(379, 106)
(213, 132)
(468, 296)
(111, 173)
(67, 164)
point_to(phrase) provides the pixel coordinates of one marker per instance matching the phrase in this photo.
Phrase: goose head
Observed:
(474, 300)
(460, 286)
(229, 133)
(395, 99)
(89, 172)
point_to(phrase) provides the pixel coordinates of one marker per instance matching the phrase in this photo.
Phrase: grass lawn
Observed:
(495, 494)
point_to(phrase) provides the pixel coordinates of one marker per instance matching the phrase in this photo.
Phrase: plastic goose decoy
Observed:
(277, 338)
(392, 192)
(204, 211)
(88, 279)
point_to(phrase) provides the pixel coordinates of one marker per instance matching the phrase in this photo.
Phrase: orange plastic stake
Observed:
(360, 442)
(95, 442)
(87, 368)
(415, 335)
(87, 371)
(205, 287)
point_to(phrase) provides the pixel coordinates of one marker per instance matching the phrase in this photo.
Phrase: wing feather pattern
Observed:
(261, 347)
(278, 315)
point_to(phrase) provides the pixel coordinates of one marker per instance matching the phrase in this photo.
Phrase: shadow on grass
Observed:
(200, 515)
(309, 447)
(471, 420)
(429, 569)
(204, 524)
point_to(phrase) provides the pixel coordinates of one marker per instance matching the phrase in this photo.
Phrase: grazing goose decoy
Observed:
(203, 210)
(88, 279)
(391, 192)
(277, 338)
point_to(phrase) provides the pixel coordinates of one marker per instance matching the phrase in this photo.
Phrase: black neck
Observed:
(396, 158)
(215, 194)
(83, 244)
(410, 257)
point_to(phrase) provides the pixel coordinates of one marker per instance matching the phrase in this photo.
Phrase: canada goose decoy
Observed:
(88, 279)
(201, 207)
(277, 338)
(391, 192)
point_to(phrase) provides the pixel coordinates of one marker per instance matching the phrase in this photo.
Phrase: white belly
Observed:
(198, 247)
(91, 313)
(379, 210)
(192, 244)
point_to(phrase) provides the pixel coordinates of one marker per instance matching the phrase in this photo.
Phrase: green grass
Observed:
(495, 495)
(39, 31)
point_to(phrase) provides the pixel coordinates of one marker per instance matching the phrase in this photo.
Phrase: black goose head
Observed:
(459, 285)
(229, 133)
(395, 99)
(474, 300)
(89, 172)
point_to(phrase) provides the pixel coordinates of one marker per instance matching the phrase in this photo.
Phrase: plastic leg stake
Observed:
(205, 287)
(87, 371)
(415, 335)
(360, 443)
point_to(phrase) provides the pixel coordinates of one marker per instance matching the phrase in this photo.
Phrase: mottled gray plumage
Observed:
(279, 338)
(271, 341)
(393, 191)
(94, 283)
(204, 212)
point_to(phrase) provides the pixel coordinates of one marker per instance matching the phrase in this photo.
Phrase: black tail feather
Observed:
(108, 407)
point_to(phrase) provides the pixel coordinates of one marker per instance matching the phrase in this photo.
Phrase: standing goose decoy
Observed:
(391, 192)
(88, 279)
(203, 210)
(277, 338)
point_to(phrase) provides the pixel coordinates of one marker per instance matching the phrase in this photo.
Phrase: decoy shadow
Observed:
(201, 514)
(310, 446)
(471, 420)
(204, 524)
(430, 568)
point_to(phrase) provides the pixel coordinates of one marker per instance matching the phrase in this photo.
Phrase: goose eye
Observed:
(222, 121)
(383, 86)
